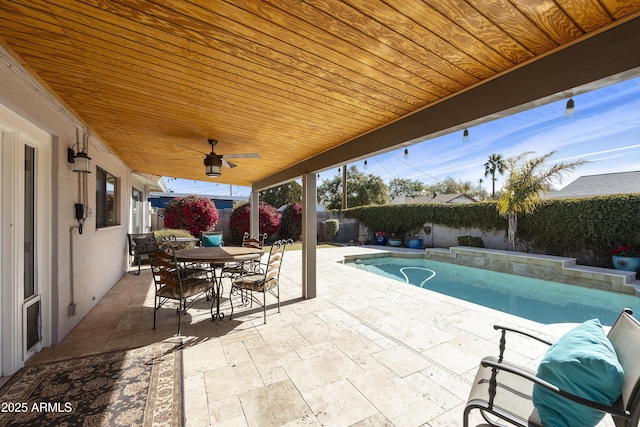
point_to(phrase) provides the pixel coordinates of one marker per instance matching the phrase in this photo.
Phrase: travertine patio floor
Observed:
(368, 351)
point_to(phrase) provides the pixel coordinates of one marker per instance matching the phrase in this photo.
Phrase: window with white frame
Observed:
(107, 199)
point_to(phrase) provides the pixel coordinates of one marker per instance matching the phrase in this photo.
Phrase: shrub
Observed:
(291, 222)
(331, 228)
(159, 234)
(239, 221)
(191, 213)
(475, 242)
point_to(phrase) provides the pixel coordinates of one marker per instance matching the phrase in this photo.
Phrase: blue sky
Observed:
(605, 130)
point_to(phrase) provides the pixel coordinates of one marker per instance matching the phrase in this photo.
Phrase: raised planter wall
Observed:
(547, 267)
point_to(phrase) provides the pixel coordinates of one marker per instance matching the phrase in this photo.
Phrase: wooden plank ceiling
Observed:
(288, 79)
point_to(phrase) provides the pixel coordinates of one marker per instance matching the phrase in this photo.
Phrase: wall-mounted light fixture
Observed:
(465, 136)
(80, 160)
(570, 111)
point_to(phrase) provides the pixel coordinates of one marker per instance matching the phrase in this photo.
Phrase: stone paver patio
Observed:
(368, 351)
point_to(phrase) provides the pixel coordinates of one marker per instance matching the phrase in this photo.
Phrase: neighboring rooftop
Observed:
(601, 185)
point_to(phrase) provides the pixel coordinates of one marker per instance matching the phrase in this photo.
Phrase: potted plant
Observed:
(395, 240)
(381, 238)
(414, 241)
(627, 257)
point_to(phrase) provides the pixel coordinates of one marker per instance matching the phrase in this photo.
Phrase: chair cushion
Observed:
(255, 282)
(212, 241)
(145, 245)
(189, 289)
(582, 362)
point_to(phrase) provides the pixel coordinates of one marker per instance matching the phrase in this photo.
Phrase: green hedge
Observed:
(586, 228)
(473, 241)
(402, 219)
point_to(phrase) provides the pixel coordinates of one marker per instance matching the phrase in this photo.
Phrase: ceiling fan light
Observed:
(212, 166)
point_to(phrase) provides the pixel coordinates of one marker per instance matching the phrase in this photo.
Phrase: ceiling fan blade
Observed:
(193, 149)
(228, 164)
(186, 158)
(242, 156)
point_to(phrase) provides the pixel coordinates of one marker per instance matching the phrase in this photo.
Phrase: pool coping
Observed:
(546, 267)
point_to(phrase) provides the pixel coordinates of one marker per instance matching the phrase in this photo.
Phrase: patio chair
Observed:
(255, 241)
(211, 238)
(507, 391)
(141, 244)
(172, 285)
(266, 280)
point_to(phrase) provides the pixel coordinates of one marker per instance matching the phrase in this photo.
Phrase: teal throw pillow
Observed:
(583, 362)
(212, 241)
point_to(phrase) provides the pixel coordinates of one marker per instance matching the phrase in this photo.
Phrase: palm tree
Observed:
(528, 180)
(495, 164)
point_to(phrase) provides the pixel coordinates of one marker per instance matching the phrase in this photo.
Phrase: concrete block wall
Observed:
(445, 237)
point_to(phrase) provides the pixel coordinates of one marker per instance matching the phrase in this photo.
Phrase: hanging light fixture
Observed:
(212, 166)
(570, 110)
(406, 153)
(465, 136)
(365, 164)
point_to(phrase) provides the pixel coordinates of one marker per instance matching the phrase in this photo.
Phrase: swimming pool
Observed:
(538, 300)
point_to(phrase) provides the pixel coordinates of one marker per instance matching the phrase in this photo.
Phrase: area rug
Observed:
(137, 387)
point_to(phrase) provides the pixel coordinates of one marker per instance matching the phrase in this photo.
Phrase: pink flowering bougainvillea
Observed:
(191, 213)
(239, 220)
(291, 222)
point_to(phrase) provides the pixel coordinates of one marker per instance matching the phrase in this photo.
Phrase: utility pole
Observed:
(344, 187)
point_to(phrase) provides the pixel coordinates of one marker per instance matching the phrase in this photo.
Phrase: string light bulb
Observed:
(570, 110)
(406, 153)
(365, 164)
(465, 136)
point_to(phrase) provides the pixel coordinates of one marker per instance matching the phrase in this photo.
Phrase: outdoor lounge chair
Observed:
(141, 244)
(266, 279)
(172, 285)
(504, 390)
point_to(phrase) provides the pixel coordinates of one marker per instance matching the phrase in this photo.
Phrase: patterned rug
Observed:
(137, 387)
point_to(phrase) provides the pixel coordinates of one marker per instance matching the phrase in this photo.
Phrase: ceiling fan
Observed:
(213, 162)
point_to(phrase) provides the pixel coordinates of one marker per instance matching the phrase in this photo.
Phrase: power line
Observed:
(422, 172)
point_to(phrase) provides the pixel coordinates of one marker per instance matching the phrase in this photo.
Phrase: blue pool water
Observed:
(538, 300)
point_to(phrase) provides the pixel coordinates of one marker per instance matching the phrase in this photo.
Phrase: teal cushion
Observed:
(582, 362)
(212, 241)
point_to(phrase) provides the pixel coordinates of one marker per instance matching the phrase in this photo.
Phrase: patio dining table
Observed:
(217, 257)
